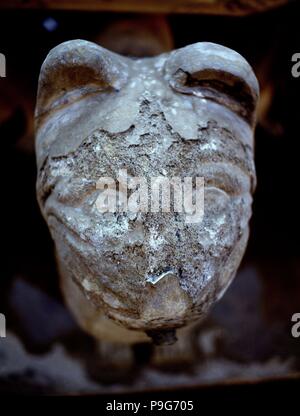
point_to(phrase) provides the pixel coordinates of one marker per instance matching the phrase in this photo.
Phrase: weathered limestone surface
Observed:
(190, 112)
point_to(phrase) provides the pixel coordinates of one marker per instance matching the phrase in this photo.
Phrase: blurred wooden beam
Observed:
(225, 7)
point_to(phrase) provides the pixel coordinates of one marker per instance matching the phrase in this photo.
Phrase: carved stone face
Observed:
(187, 113)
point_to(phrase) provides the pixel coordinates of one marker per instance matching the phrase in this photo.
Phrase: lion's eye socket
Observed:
(68, 97)
(219, 86)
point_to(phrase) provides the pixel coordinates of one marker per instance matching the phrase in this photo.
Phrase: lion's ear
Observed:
(75, 69)
(211, 71)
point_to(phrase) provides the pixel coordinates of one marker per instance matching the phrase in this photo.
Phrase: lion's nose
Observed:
(164, 303)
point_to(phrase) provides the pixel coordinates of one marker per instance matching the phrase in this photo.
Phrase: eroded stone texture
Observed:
(190, 112)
